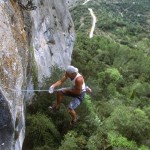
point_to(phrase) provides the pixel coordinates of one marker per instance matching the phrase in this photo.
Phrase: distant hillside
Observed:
(126, 22)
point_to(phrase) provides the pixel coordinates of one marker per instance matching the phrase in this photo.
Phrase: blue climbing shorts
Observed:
(76, 99)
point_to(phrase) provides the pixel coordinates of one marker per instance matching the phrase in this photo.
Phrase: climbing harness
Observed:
(29, 6)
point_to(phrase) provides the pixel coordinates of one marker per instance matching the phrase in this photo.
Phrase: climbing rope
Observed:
(29, 90)
(15, 90)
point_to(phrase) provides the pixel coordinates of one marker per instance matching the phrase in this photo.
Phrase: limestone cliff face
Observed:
(52, 35)
(30, 40)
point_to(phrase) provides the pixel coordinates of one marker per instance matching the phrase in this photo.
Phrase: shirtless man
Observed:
(76, 91)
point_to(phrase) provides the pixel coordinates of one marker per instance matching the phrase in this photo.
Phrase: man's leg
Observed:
(73, 114)
(71, 109)
(59, 99)
(59, 95)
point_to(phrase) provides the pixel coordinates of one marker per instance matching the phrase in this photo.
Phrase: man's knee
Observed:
(60, 93)
(70, 110)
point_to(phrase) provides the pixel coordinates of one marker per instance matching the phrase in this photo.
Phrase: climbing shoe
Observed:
(73, 122)
(53, 108)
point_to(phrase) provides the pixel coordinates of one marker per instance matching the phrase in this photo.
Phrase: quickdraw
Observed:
(29, 6)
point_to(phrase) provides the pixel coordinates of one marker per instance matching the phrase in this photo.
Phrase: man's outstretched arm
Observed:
(58, 83)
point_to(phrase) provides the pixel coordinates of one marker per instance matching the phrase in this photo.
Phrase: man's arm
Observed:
(59, 82)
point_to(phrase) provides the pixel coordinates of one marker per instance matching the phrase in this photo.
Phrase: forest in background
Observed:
(116, 65)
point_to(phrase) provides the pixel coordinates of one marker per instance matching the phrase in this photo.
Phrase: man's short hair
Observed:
(72, 69)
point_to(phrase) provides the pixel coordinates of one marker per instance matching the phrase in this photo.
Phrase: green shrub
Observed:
(41, 131)
(121, 142)
(69, 142)
(132, 123)
(143, 147)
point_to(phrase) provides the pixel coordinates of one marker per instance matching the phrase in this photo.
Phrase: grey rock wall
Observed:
(52, 35)
(13, 64)
(6, 126)
(30, 40)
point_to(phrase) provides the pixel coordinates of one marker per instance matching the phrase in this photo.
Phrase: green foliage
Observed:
(81, 23)
(73, 141)
(93, 143)
(109, 81)
(41, 130)
(143, 147)
(70, 141)
(113, 74)
(44, 148)
(140, 89)
(146, 109)
(132, 123)
(92, 119)
(118, 141)
(137, 93)
(131, 64)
